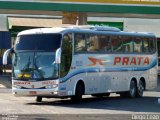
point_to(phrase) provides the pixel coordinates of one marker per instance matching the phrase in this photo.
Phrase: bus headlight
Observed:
(48, 86)
(17, 86)
(51, 86)
(55, 85)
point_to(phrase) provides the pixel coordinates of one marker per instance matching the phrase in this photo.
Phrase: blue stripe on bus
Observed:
(91, 70)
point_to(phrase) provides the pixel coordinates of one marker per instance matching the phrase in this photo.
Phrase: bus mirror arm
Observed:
(58, 56)
(5, 55)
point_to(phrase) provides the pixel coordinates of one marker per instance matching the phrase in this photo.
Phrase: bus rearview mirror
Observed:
(58, 56)
(5, 56)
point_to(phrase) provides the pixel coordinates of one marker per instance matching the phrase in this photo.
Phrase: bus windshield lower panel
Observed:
(34, 66)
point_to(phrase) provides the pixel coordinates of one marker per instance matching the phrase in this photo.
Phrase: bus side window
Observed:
(145, 45)
(138, 44)
(127, 44)
(80, 42)
(92, 43)
(105, 44)
(152, 45)
(117, 43)
(66, 56)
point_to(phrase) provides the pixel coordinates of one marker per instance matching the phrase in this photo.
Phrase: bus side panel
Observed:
(103, 73)
(152, 79)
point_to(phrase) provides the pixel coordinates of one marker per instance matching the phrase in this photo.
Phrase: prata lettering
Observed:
(22, 83)
(131, 61)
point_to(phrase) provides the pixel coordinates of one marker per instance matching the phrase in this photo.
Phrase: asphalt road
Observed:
(112, 107)
(91, 108)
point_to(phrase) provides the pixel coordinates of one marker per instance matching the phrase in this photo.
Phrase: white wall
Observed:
(3, 23)
(134, 24)
(142, 25)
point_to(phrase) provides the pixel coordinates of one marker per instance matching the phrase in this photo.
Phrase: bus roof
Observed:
(42, 30)
(84, 29)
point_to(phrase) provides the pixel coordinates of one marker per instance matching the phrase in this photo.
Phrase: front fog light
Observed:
(54, 86)
(51, 86)
(48, 86)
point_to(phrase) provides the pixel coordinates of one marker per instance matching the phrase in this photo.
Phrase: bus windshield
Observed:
(34, 66)
(35, 55)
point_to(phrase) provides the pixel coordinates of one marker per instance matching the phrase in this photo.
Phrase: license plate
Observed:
(32, 92)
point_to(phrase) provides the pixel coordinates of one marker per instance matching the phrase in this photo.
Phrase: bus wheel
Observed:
(78, 93)
(140, 89)
(132, 89)
(38, 99)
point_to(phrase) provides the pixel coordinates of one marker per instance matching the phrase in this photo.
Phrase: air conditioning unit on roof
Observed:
(107, 28)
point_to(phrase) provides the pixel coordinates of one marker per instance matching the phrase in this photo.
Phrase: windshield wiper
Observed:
(40, 73)
(26, 68)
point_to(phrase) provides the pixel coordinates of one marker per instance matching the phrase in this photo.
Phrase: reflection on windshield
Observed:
(38, 42)
(34, 65)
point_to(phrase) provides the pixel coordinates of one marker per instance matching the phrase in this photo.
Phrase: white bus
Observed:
(86, 60)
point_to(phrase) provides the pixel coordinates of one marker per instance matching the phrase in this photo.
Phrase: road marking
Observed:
(2, 86)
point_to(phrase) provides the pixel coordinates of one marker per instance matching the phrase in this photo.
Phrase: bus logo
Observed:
(96, 61)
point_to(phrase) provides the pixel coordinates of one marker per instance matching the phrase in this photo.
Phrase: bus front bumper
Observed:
(37, 92)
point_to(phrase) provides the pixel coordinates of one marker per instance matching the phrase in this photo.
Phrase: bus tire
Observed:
(140, 89)
(132, 89)
(38, 99)
(77, 98)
